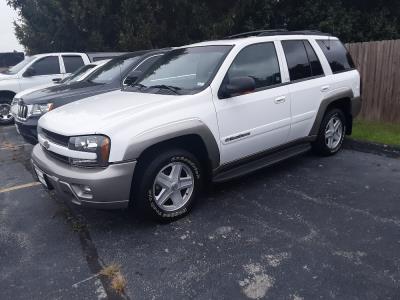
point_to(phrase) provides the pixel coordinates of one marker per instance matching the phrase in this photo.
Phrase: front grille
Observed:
(55, 137)
(57, 156)
(22, 111)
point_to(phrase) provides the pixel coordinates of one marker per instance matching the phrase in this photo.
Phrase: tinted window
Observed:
(338, 57)
(46, 66)
(188, 70)
(297, 60)
(144, 65)
(258, 61)
(72, 63)
(316, 68)
(113, 70)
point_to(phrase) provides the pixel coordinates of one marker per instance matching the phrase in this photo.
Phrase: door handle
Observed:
(325, 89)
(280, 100)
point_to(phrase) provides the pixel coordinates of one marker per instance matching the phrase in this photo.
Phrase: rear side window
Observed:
(47, 66)
(302, 61)
(72, 63)
(338, 57)
(258, 61)
(316, 67)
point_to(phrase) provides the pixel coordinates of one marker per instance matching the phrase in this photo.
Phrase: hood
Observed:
(98, 114)
(58, 91)
(31, 90)
(7, 76)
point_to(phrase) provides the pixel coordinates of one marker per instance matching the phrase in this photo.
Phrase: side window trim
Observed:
(260, 89)
(287, 66)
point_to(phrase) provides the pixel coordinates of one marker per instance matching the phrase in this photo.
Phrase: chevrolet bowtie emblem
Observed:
(46, 145)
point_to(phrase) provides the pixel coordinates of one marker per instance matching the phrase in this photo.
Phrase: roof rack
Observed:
(273, 32)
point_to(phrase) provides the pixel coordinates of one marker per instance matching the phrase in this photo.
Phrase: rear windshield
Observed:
(338, 57)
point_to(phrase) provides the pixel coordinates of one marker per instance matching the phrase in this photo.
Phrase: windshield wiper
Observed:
(137, 85)
(167, 87)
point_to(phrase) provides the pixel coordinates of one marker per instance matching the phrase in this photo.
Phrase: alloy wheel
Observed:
(173, 186)
(333, 132)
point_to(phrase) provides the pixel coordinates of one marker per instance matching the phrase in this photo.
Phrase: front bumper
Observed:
(28, 130)
(110, 187)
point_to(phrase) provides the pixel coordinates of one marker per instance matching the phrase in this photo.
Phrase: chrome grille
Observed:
(22, 111)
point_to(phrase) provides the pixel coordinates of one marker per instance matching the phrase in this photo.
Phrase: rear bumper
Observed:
(109, 187)
(355, 106)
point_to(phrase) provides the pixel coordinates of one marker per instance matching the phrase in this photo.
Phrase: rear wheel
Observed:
(331, 133)
(168, 184)
(5, 111)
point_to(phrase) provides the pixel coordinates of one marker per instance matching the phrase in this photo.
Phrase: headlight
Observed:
(98, 144)
(40, 109)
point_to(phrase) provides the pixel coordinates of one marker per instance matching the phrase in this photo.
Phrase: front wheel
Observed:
(331, 133)
(5, 111)
(168, 185)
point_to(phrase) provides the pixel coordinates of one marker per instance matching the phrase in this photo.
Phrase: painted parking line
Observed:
(13, 147)
(18, 187)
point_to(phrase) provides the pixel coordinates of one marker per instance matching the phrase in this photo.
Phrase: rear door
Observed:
(307, 87)
(257, 121)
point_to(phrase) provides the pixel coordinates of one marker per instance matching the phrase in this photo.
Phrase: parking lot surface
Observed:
(307, 228)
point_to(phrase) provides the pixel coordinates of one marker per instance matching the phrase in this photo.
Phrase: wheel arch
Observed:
(7, 94)
(341, 101)
(192, 135)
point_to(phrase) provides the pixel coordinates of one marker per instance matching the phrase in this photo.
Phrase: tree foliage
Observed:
(125, 25)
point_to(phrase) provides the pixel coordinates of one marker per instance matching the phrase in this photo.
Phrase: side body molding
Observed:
(146, 139)
(324, 105)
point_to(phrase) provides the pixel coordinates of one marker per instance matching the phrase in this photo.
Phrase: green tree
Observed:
(126, 25)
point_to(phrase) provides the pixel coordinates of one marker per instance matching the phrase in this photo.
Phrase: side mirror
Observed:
(132, 77)
(238, 86)
(30, 72)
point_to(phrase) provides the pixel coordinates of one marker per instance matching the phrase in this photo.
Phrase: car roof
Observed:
(257, 39)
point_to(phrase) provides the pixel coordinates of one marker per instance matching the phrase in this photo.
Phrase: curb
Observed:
(374, 148)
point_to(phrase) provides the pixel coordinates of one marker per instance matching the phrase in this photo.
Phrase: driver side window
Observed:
(258, 61)
(46, 66)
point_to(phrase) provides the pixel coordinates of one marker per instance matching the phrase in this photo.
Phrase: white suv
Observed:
(213, 110)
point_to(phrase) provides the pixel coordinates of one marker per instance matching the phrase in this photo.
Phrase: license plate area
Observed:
(41, 177)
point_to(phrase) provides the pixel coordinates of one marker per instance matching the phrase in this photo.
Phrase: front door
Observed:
(254, 122)
(41, 72)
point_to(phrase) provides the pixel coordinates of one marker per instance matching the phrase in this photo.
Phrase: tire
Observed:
(157, 191)
(5, 111)
(331, 133)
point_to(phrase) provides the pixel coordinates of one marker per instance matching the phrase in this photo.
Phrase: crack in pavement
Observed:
(92, 257)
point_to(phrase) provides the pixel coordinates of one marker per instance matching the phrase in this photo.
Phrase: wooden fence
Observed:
(379, 66)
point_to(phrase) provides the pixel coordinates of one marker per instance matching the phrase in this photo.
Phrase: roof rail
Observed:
(256, 33)
(273, 32)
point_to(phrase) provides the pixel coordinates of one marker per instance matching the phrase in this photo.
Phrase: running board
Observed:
(262, 162)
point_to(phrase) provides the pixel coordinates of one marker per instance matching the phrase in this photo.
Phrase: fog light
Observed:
(82, 191)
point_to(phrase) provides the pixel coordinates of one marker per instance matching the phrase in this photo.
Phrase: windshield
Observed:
(112, 70)
(18, 67)
(78, 74)
(184, 71)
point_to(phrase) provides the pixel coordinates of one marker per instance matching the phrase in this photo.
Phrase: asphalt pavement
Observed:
(308, 228)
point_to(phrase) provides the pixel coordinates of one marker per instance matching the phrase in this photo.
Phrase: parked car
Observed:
(30, 107)
(78, 75)
(38, 70)
(213, 110)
